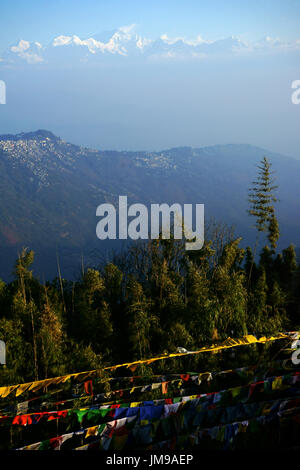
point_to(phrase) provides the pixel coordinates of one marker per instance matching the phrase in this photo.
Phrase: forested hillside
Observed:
(50, 190)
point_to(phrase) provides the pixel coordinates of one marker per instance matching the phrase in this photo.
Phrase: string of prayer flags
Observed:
(228, 343)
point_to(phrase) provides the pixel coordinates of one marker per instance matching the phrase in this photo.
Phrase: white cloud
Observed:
(32, 58)
(21, 47)
(23, 50)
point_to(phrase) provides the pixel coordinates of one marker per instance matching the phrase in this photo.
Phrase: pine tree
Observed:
(262, 200)
(273, 230)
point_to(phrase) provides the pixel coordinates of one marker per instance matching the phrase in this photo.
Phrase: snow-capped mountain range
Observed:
(126, 42)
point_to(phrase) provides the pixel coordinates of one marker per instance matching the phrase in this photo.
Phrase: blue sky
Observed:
(148, 104)
(40, 20)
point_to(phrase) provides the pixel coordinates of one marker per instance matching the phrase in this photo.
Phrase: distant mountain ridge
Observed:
(40, 134)
(127, 42)
(50, 190)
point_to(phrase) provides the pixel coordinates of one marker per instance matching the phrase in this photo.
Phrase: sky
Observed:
(43, 19)
(148, 104)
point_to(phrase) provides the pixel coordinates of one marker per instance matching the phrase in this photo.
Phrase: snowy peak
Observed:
(126, 42)
(121, 41)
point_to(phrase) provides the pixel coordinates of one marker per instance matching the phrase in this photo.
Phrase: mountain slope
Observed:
(50, 190)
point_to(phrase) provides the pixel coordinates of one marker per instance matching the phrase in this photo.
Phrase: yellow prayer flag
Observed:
(22, 388)
(92, 431)
(5, 391)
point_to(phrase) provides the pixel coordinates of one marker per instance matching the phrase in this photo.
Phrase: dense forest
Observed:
(151, 299)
